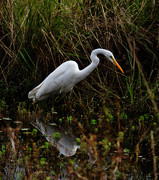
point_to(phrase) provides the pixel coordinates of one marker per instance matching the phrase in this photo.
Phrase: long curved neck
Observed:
(87, 70)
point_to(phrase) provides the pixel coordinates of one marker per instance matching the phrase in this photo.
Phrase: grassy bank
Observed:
(109, 110)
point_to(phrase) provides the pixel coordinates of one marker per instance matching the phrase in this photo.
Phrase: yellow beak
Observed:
(115, 62)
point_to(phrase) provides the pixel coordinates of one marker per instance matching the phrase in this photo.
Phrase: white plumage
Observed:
(64, 77)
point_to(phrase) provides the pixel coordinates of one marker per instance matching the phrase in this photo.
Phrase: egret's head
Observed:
(107, 54)
(111, 57)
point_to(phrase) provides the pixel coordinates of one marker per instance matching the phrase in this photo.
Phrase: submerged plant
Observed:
(57, 136)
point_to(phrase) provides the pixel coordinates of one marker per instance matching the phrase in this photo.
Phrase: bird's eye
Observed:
(111, 57)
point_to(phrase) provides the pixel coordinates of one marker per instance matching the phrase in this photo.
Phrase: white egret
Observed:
(64, 77)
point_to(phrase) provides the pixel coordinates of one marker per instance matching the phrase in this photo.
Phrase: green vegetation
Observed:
(115, 117)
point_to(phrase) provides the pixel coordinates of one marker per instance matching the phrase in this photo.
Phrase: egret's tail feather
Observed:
(32, 93)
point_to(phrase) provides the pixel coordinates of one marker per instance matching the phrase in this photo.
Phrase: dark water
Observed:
(27, 154)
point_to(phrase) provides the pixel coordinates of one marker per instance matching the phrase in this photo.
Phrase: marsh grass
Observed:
(114, 115)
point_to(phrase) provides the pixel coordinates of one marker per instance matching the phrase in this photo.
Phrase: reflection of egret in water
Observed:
(66, 144)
